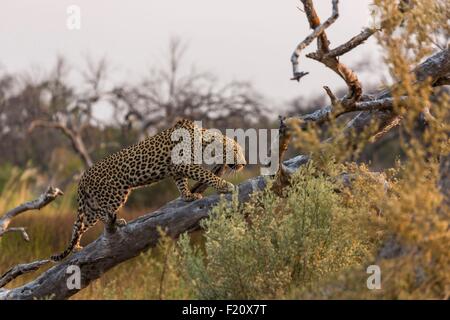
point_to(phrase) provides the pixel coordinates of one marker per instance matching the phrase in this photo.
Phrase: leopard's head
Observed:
(231, 153)
(237, 161)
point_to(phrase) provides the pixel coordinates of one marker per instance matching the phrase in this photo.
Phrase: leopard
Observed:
(103, 189)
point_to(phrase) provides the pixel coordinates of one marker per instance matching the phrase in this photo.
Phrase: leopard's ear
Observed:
(181, 122)
(177, 122)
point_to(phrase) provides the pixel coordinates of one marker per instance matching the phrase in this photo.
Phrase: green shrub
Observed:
(272, 245)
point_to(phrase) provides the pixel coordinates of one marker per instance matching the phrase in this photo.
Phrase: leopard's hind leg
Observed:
(79, 228)
(108, 215)
(110, 220)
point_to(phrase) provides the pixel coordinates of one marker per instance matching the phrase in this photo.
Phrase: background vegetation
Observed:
(314, 241)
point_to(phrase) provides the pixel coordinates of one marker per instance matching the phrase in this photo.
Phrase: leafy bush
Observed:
(271, 245)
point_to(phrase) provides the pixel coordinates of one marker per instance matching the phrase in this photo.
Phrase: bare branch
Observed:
(71, 133)
(110, 249)
(19, 270)
(351, 44)
(379, 105)
(333, 99)
(433, 68)
(44, 199)
(323, 51)
(314, 22)
(318, 31)
(386, 127)
(22, 230)
(284, 172)
(95, 73)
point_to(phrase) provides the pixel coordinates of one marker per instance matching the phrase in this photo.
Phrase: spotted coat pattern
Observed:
(104, 188)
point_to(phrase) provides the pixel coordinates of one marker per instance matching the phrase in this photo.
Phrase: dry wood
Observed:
(177, 216)
(323, 54)
(74, 136)
(110, 249)
(44, 199)
(319, 31)
(20, 269)
(377, 106)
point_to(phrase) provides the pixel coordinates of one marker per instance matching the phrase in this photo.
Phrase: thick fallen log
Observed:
(178, 217)
(110, 249)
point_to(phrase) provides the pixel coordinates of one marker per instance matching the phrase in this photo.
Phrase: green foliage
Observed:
(271, 245)
(318, 239)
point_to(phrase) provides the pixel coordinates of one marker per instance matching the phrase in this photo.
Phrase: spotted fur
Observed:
(104, 188)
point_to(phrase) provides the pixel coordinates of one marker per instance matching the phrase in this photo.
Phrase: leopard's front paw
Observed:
(191, 197)
(121, 222)
(228, 188)
(77, 248)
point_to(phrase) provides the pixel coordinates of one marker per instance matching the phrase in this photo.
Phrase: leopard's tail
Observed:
(78, 230)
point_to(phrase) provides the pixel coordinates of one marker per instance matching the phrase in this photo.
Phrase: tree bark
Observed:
(73, 135)
(178, 217)
(127, 242)
(44, 199)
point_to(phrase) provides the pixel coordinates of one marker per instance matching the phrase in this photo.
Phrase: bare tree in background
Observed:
(56, 112)
(177, 217)
(170, 93)
(19, 105)
(69, 112)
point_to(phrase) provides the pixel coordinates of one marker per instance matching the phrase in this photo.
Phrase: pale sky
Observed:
(248, 40)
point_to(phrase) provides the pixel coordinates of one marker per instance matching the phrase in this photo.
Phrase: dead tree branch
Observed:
(377, 106)
(323, 53)
(435, 68)
(20, 269)
(178, 216)
(283, 172)
(352, 43)
(110, 249)
(44, 199)
(319, 31)
(73, 134)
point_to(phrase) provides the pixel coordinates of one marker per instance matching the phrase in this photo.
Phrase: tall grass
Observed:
(50, 230)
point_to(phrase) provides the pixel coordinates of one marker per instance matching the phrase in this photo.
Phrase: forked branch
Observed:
(74, 136)
(44, 199)
(379, 105)
(319, 31)
(20, 269)
(110, 249)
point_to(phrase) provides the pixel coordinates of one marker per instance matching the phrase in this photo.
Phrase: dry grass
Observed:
(50, 230)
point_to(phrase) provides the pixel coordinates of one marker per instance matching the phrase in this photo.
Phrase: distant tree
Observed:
(169, 93)
(69, 112)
